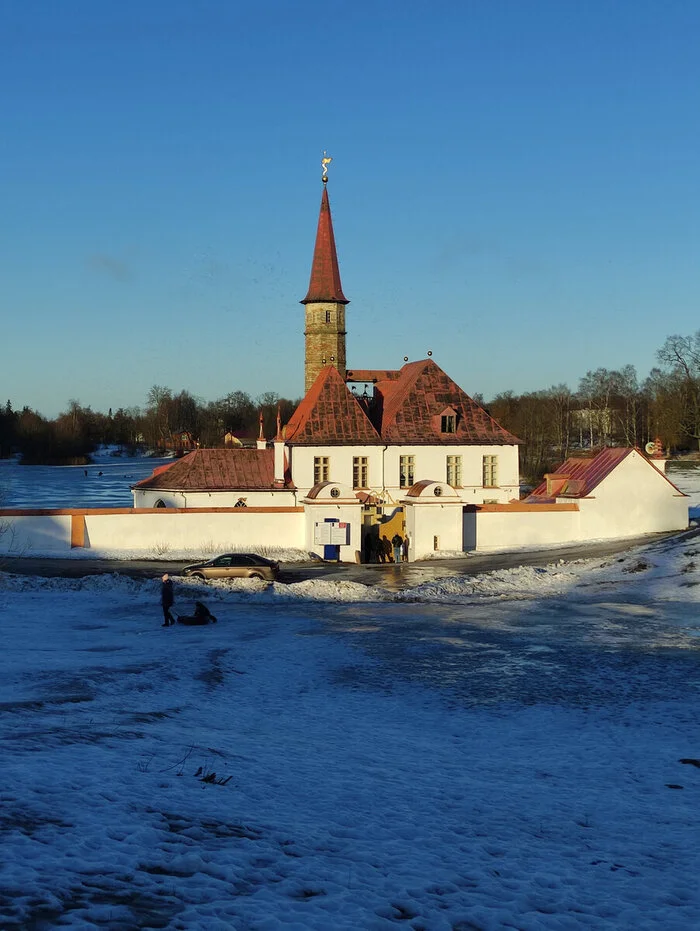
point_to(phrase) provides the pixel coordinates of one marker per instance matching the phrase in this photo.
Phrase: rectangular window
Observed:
(490, 471)
(454, 471)
(359, 472)
(448, 423)
(406, 471)
(322, 468)
(328, 316)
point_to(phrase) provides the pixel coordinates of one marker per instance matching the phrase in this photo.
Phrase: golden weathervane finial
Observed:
(325, 162)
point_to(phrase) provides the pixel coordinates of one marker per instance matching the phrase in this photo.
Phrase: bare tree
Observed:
(681, 355)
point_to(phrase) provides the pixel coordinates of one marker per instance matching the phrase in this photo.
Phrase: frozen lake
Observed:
(107, 483)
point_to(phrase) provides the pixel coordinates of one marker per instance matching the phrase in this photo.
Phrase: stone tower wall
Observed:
(324, 336)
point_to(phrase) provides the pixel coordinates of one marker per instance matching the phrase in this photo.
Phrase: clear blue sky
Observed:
(514, 187)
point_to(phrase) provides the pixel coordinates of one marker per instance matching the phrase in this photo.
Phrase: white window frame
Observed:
(489, 470)
(453, 471)
(322, 469)
(360, 472)
(407, 471)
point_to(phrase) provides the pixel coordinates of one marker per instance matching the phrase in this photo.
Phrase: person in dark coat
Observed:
(202, 615)
(386, 548)
(397, 545)
(167, 599)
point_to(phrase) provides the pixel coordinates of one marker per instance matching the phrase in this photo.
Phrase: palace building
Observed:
(368, 453)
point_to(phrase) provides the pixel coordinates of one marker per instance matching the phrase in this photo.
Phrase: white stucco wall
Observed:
(430, 463)
(147, 498)
(506, 527)
(23, 535)
(335, 502)
(634, 499)
(154, 533)
(162, 530)
(433, 519)
(434, 527)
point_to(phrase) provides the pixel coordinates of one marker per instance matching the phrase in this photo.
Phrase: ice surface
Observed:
(497, 751)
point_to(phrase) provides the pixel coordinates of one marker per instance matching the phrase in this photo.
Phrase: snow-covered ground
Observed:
(498, 751)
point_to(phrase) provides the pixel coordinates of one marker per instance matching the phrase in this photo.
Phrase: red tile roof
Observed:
(330, 415)
(411, 408)
(325, 275)
(216, 470)
(577, 478)
(407, 407)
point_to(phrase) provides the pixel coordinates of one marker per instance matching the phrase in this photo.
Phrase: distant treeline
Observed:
(609, 408)
(74, 435)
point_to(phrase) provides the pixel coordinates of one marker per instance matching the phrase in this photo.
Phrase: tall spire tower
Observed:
(325, 302)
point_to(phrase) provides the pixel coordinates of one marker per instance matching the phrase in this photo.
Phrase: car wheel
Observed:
(198, 575)
(255, 575)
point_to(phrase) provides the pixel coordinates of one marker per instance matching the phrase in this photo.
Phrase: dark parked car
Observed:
(234, 566)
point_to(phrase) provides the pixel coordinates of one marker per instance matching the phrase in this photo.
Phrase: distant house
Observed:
(231, 440)
(181, 441)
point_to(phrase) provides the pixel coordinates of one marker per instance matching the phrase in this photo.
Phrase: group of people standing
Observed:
(382, 549)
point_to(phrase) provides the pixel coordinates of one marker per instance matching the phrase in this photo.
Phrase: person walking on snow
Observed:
(166, 599)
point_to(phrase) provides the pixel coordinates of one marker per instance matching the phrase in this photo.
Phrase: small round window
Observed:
(335, 492)
(437, 491)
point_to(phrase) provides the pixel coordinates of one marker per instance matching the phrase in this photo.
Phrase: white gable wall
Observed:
(634, 499)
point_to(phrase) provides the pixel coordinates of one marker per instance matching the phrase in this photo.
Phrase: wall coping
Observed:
(87, 512)
(519, 507)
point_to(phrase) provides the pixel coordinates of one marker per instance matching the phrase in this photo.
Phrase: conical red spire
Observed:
(325, 286)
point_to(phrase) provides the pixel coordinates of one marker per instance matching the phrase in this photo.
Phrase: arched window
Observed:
(160, 503)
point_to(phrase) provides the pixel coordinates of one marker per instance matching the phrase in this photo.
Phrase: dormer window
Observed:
(445, 421)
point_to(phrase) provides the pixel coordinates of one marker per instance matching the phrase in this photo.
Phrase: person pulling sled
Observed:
(167, 599)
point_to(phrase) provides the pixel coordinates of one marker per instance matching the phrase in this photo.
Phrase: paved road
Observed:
(404, 575)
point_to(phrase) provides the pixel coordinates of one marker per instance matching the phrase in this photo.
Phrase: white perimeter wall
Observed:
(430, 463)
(153, 532)
(433, 527)
(346, 512)
(42, 533)
(240, 529)
(500, 527)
